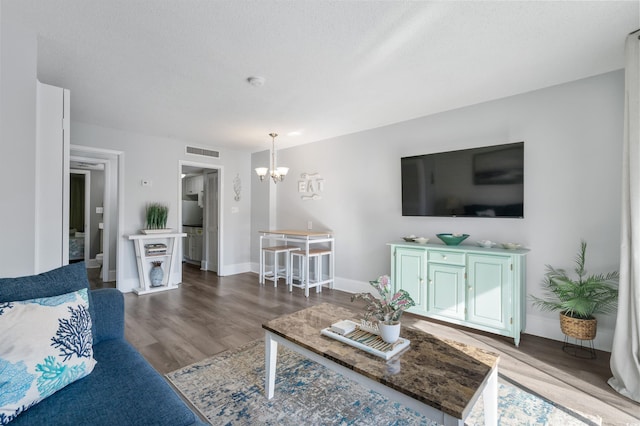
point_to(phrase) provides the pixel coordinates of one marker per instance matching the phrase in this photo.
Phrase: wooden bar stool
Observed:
(277, 271)
(304, 277)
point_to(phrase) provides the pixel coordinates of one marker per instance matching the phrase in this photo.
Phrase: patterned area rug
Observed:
(228, 389)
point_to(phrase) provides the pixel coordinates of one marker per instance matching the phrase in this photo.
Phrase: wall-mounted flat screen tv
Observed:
(477, 182)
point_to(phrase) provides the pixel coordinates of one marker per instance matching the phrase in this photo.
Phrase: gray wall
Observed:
(157, 159)
(18, 52)
(573, 147)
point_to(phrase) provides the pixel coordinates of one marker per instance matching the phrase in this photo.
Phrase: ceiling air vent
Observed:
(202, 151)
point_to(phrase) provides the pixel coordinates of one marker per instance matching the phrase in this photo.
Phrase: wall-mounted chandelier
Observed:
(277, 173)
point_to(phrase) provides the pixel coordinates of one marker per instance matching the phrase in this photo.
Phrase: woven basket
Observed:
(583, 329)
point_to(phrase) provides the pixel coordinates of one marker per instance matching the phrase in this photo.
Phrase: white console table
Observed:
(145, 261)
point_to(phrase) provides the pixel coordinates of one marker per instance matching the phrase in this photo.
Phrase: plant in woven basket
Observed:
(156, 215)
(578, 299)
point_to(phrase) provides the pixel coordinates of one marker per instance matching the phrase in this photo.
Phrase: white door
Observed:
(51, 180)
(211, 221)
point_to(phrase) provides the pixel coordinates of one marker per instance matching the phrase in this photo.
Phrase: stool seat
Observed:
(315, 252)
(276, 271)
(280, 248)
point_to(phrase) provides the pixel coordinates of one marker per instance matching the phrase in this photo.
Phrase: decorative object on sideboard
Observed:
(452, 239)
(310, 186)
(421, 240)
(276, 173)
(156, 215)
(578, 300)
(156, 274)
(511, 246)
(409, 238)
(237, 187)
(486, 243)
(388, 309)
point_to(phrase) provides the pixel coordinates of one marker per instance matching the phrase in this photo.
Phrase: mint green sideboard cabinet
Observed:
(471, 286)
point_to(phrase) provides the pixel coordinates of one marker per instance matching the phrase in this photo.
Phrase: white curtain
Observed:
(625, 354)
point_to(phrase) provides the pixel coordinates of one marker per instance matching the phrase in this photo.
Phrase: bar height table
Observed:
(306, 239)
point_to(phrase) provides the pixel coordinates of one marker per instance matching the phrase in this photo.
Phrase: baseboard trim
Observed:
(238, 268)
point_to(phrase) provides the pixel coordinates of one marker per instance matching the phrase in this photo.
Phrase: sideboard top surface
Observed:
(462, 247)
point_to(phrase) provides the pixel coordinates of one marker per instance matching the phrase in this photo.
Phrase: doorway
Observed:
(105, 213)
(199, 215)
(80, 231)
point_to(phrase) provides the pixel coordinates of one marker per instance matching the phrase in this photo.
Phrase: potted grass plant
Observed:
(578, 300)
(156, 215)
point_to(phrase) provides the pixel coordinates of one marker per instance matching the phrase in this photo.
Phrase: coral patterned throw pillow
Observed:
(46, 344)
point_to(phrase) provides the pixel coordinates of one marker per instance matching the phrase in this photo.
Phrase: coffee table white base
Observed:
(489, 387)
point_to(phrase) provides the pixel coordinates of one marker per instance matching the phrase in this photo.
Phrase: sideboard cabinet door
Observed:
(489, 290)
(445, 292)
(409, 273)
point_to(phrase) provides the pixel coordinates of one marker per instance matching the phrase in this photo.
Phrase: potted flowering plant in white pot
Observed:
(387, 309)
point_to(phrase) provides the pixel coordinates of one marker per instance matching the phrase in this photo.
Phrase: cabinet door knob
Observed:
(444, 257)
(470, 288)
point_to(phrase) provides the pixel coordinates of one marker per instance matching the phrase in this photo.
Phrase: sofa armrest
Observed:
(109, 314)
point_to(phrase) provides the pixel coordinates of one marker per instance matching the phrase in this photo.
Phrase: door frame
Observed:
(220, 170)
(113, 165)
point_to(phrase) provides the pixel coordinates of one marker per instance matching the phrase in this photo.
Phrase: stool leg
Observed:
(288, 271)
(318, 272)
(262, 259)
(275, 269)
(306, 275)
(292, 257)
(331, 266)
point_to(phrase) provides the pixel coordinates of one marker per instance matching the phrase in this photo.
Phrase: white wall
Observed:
(18, 50)
(573, 148)
(157, 159)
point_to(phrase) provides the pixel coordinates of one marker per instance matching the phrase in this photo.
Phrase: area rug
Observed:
(228, 389)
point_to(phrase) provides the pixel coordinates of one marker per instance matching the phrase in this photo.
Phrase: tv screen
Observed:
(477, 182)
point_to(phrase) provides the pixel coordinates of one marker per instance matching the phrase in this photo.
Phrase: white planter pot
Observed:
(390, 333)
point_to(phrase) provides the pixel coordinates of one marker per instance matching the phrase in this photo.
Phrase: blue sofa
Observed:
(123, 388)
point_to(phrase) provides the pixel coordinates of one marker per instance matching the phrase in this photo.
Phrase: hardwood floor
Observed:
(211, 314)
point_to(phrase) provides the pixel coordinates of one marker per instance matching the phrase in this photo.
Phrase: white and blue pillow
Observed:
(46, 345)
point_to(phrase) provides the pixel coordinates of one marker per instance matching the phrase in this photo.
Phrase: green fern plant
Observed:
(581, 298)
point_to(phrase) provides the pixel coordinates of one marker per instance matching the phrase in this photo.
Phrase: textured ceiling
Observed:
(178, 68)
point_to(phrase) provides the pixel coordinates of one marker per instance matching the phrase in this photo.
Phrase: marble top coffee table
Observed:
(441, 379)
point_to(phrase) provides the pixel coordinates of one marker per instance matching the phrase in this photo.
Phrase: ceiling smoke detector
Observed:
(256, 81)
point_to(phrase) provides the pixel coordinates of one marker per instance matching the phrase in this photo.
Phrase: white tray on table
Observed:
(368, 341)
